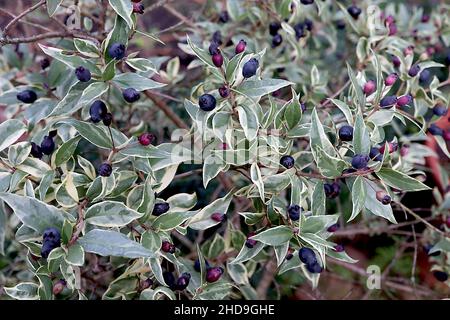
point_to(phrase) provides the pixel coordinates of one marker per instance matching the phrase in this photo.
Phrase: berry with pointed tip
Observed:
(332, 190)
(435, 130)
(36, 150)
(287, 161)
(45, 63)
(250, 243)
(274, 27)
(58, 287)
(440, 275)
(197, 265)
(339, 248)
(217, 59)
(105, 170)
(359, 161)
(131, 95)
(346, 133)
(240, 47)
(168, 247)
(82, 74)
(390, 79)
(383, 197)
(393, 146)
(107, 119)
(307, 255)
(333, 227)
(224, 17)
(207, 102)
(306, 2)
(224, 91)
(440, 110)
(98, 111)
(396, 61)
(250, 67)
(388, 102)
(160, 208)
(27, 96)
(213, 48)
(414, 70)
(183, 281)
(354, 11)
(369, 87)
(375, 154)
(138, 8)
(294, 212)
(146, 139)
(117, 51)
(213, 274)
(218, 217)
(47, 145)
(314, 268)
(404, 100)
(277, 40)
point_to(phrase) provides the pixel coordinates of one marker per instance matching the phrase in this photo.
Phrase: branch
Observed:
(48, 35)
(23, 14)
(167, 110)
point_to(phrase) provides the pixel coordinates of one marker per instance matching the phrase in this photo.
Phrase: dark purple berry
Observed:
(287, 161)
(169, 279)
(383, 197)
(388, 102)
(435, 130)
(36, 151)
(360, 161)
(332, 190)
(340, 24)
(183, 281)
(346, 133)
(404, 100)
(308, 24)
(83, 74)
(250, 243)
(51, 234)
(47, 145)
(314, 267)
(224, 91)
(274, 27)
(440, 275)
(131, 95)
(306, 2)
(396, 61)
(299, 29)
(354, 11)
(107, 119)
(105, 170)
(440, 110)
(217, 37)
(250, 68)
(146, 139)
(277, 40)
(117, 51)
(98, 111)
(294, 212)
(414, 70)
(168, 247)
(213, 274)
(45, 63)
(197, 265)
(160, 208)
(307, 255)
(424, 78)
(375, 154)
(213, 48)
(224, 17)
(207, 102)
(138, 8)
(27, 96)
(217, 59)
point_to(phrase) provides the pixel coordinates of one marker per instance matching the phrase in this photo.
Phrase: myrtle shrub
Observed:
(228, 169)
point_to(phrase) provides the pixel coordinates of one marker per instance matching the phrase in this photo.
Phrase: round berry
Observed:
(47, 145)
(105, 170)
(240, 47)
(197, 265)
(131, 95)
(440, 110)
(390, 79)
(375, 154)
(217, 37)
(168, 247)
(294, 212)
(404, 100)
(160, 208)
(435, 130)
(332, 190)
(218, 217)
(146, 139)
(414, 70)
(250, 68)
(36, 151)
(145, 284)
(117, 50)
(107, 119)
(274, 27)
(360, 161)
(45, 63)
(250, 243)
(213, 48)
(354, 11)
(51, 234)
(383, 197)
(287, 161)
(396, 61)
(306, 2)
(213, 274)
(277, 40)
(83, 74)
(217, 59)
(308, 24)
(27, 96)
(424, 78)
(224, 17)
(169, 279)
(307, 256)
(314, 267)
(369, 87)
(138, 8)
(98, 111)
(388, 102)
(224, 91)
(299, 29)
(340, 24)
(207, 102)
(183, 281)
(440, 275)
(346, 133)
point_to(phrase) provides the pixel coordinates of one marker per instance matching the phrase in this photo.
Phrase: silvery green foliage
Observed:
(239, 142)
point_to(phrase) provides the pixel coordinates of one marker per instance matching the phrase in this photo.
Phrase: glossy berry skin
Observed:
(339, 248)
(390, 79)
(146, 139)
(82, 74)
(314, 268)
(360, 161)
(207, 102)
(435, 130)
(105, 170)
(354, 11)
(160, 208)
(169, 279)
(97, 111)
(424, 77)
(36, 151)
(383, 197)
(440, 110)
(51, 240)
(218, 217)
(396, 61)
(346, 133)
(274, 27)
(27, 96)
(107, 119)
(45, 63)
(224, 17)
(240, 47)
(388, 102)
(224, 91)
(306, 2)
(217, 59)
(375, 154)
(369, 87)
(294, 212)
(250, 243)
(117, 51)
(183, 281)
(414, 70)
(217, 37)
(168, 247)
(213, 48)
(289, 256)
(333, 227)
(138, 8)
(404, 100)
(299, 29)
(277, 40)
(197, 265)
(213, 274)
(332, 190)
(307, 255)
(440, 275)
(250, 68)
(47, 145)
(131, 95)
(287, 161)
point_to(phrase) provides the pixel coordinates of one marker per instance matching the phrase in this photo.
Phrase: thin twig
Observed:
(23, 14)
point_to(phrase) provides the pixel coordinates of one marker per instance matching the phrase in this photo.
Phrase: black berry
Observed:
(383, 197)
(307, 256)
(45, 63)
(117, 50)
(314, 267)
(160, 208)
(207, 102)
(440, 275)
(213, 48)
(183, 281)
(250, 68)
(197, 265)
(131, 95)
(307, 1)
(299, 29)
(274, 27)
(36, 150)
(276, 40)
(287, 161)
(169, 279)
(294, 212)
(414, 70)
(47, 145)
(360, 161)
(27, 96)
(97, 111)
(354, 11)
(105, 170)
(332, 190)
(375, 154)
(346, 133)
(224, 17)
(83, 74)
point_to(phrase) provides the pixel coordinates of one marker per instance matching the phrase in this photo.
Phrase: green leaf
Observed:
(111, 243)
(212, 166)
(33, 213)
(75, 255)
(330, 167)
(256, 177)
(151, 240)
(318, 136)
(358, 197)
(345, 110)
(317, 224)
(259, 88)
(318, 206)
(23, 291)
(401, 181)
(123, 8)
(171, 220)
(10, 131)
(119, 34)
(73, 61)
(361, 139)
(3, 224)
(375, 206)
(136, 81)
(87, 47)
(18, 153)
(249, 121)
(66, 150)
(202, 220)
(248, 253)
(111, 214)
(201, 54)
(141, 64)
(274, 236)
(360, 98)
(215, 291)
